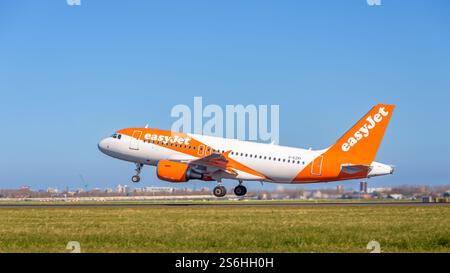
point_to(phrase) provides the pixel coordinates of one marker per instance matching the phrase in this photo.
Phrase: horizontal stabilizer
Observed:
(352, 168)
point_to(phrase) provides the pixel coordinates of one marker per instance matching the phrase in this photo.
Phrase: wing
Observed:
(215, 160)
(222, 166)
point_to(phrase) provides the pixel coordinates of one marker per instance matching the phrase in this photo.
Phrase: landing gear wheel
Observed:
(240, 190)
(136, 178)
(219, 191)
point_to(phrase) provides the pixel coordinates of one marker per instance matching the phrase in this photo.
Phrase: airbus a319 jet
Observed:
(180, 157)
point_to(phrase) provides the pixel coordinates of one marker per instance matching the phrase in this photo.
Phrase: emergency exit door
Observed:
(316, 166)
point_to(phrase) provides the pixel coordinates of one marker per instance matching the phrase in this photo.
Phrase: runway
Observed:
(231, 204)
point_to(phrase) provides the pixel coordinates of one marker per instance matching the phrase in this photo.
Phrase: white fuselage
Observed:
(280, 163)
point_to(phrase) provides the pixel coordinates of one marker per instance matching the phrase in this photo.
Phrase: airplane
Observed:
(180, 157)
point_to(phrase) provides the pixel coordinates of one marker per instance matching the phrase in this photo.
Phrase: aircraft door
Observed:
(134, 142)
(201, 150)
(316, 166)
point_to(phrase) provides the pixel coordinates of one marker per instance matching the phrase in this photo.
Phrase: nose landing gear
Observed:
(136, 178)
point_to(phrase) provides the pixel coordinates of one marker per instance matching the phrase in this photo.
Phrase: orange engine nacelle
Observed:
(176, 172)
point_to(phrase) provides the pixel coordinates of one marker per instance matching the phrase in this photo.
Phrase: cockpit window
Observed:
(118, 136)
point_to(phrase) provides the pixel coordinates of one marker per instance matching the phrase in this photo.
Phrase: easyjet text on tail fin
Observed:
(360, 144)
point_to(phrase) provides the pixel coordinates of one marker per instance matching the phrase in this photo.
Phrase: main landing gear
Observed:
(221, 191)
(136, 178)
(240, 189)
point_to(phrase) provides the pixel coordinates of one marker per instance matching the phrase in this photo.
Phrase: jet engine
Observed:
(176, 172)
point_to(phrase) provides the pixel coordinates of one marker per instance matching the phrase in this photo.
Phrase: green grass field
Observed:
(226, 229)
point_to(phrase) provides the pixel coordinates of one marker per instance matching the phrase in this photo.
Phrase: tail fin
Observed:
(360, 144)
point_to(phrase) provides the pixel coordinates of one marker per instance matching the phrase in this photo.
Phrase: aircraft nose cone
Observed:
(103, 145)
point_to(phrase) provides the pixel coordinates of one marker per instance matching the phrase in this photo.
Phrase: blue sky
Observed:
(70, 76)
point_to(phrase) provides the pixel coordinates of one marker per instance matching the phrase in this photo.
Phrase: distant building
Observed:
(340, 189)
(396, 196)
(319, 195)
(122, 188)
(372, 190)
(363, 187)
(52, 190)
(264, 196)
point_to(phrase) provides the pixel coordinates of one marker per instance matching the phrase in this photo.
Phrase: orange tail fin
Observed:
(360, 144)
(354, 151)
